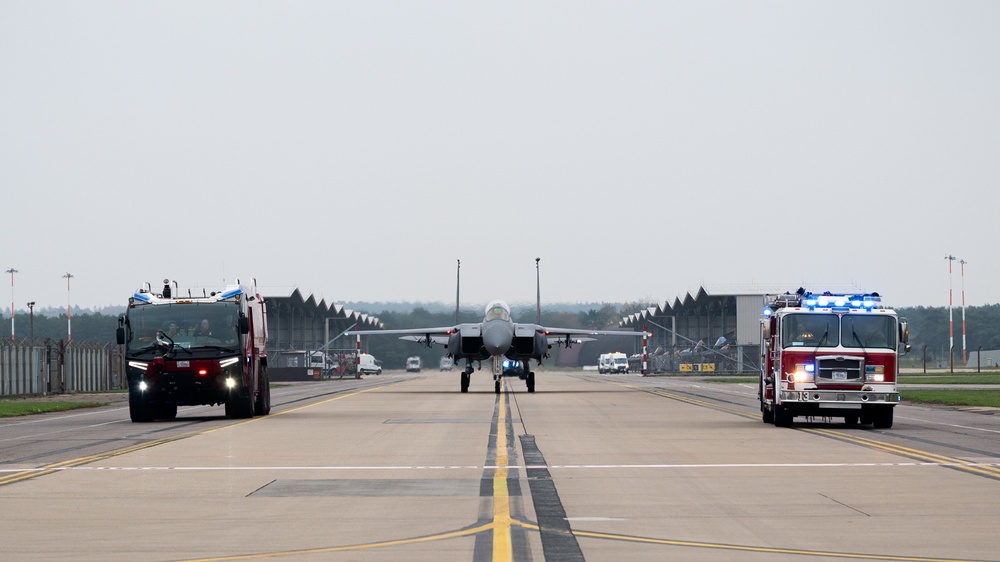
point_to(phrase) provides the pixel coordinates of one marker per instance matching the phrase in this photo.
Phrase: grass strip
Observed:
(11, 409)
(949, 397)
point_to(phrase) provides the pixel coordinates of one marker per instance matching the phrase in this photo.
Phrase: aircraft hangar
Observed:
(299, 322)
(715, 329)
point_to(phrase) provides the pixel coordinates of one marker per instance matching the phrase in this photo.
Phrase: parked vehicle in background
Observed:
(604, 363)
(368, 365)
(619, 363)
(413, 364)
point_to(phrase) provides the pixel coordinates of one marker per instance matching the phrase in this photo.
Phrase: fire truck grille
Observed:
(839, 370)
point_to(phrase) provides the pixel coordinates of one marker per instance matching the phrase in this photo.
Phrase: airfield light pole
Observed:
(31, 315)
(538, 291)
(964, 356)
(458, 281)
(951, 324)
(12, 271)
(69, 310)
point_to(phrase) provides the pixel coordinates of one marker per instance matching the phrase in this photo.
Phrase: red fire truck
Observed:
(830, 355)
(195, 350)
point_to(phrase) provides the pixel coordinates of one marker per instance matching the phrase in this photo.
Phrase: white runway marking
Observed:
(506, 467)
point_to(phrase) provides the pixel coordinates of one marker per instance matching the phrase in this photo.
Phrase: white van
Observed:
(619, 363)
(604, 363)
(369, 365)
(413, 364)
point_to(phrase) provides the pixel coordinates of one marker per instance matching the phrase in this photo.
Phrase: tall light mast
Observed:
(12, 271)
(951, 324)
(964, 357)
(69, 310)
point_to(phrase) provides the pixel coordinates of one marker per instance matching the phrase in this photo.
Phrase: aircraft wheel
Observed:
(531, 381)
(496, 387)
(465, 381)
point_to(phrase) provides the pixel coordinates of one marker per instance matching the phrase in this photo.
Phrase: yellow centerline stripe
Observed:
(927, 456)
(502, 548)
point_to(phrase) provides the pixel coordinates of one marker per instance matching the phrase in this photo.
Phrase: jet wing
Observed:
(562, 336)
(426, 336)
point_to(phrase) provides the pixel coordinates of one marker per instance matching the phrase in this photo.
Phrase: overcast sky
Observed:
(356, 150)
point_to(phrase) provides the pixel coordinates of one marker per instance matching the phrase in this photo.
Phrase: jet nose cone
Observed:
(497, 337)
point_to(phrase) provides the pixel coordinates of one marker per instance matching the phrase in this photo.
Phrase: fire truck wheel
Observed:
(766, 414)
(140, 413)
(851, 420)
(240, 404)
(263, 405)
(782, 417)
(166, 411)
(883, 419)
(139, 409)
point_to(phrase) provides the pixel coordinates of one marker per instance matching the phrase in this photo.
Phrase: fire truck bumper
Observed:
(835, 399)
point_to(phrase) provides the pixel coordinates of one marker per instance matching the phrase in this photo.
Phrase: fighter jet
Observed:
(498, 338)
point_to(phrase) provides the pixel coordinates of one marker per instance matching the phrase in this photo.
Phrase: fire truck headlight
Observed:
(878, 378)
(142, 386)
(804, 373)
(227, 362)
(230, 383)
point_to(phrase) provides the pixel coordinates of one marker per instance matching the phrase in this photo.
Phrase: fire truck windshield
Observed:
(831, 330)
(194, 328)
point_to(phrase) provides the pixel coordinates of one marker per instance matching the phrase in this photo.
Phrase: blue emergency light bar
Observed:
(830, 300)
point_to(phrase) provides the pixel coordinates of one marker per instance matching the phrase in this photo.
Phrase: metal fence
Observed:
(743, 359)
(55, 367)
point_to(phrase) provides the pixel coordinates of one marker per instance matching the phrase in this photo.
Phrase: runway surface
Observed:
(589, 467)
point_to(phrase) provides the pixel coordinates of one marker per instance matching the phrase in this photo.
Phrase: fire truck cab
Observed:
(830, 355)
(195, 350)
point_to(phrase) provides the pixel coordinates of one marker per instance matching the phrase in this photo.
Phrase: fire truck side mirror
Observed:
(765, 332)
(120, 335)
(904, 335)
(244, 325)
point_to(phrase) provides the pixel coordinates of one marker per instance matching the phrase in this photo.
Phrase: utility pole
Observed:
(951, 324)
(31, 315)
(69, 310)
(538, 291)
(964, 357)
(12, 271)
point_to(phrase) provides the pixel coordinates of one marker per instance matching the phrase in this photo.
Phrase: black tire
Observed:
(139, 408)
(767, 415)
(496, 387)
(851, 420)
(782, 417)
(883, 418)
(530, 379)
(166, 411)
(240, 404)
(263, 405)
(466, 377)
